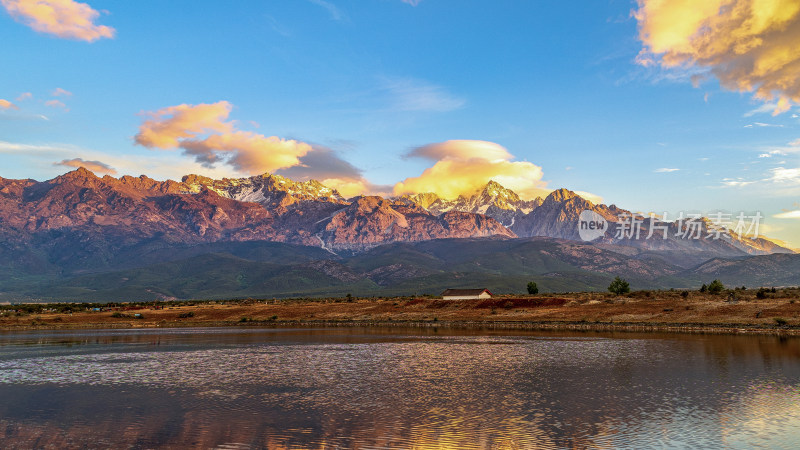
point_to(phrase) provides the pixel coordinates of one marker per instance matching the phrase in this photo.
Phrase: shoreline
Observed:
(662, 312)
(626, 327)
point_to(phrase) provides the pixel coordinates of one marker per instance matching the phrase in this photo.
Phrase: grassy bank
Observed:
(733, 311)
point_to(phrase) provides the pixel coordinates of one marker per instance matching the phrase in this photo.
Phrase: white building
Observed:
(466, 294)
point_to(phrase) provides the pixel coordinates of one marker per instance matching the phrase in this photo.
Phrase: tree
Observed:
(715, 287)
(619, 286)
(703, 288)
(532, 288)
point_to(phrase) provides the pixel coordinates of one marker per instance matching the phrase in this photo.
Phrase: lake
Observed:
(396, 388)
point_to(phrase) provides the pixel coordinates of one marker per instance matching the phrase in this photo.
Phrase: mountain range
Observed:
(80, 236)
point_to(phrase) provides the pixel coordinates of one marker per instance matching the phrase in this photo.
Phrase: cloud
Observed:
(321, 163)
(276, 26)
(461, 149)
(203, 132)
(666, 170)
(749, 45)
(783, 175)
(324, 165)
(168, 126)
(772, 153)
(55, 104)
(408, 94)
(66, 19)
(58, 92)
(333, 10)
(5, 104)
(763, 125)
(739, 182)
(464, 166)
(158, 165)
(24, 96)
(412, 2)
(94, 166)
(788, 215)
(763, 109)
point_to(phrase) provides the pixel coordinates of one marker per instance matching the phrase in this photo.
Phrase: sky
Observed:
(653, 105)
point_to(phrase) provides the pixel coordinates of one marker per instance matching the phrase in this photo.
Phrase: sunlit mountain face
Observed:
(271, 233)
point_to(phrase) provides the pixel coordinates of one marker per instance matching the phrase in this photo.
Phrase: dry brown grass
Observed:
(664, 308)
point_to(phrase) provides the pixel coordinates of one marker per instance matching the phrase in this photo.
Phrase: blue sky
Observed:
(363, 83)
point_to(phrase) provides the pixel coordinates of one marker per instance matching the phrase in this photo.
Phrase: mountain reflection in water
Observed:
(390, 388)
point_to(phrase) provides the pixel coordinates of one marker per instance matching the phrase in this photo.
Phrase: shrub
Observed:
(704, 288)
(685, 294)
(762, 293)
(716, 287)
(619, 286)
(780, 322)
(117, 315)
(186, 315)
(532, 288)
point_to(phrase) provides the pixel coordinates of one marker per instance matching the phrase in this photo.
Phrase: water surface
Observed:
(392, 388)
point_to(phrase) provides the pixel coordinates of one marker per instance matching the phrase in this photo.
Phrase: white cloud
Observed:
(771, 153)
(788, 215)
(739, 182)
(335, 13)
(766, 108)
(783, 175)
(763, 125)
(408, 94)
(666, 170)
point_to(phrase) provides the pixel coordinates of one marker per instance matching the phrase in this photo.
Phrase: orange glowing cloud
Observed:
(63, 18)
(749, 45)
(94, 166)
(463, 166)
(203, 132)
(5, 104)
(168, 126)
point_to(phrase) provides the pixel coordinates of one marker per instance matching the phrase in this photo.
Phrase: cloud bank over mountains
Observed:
(463, 166)
(205, 133)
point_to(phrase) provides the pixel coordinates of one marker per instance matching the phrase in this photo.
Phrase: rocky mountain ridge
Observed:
(274, 208)
(93, 237)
